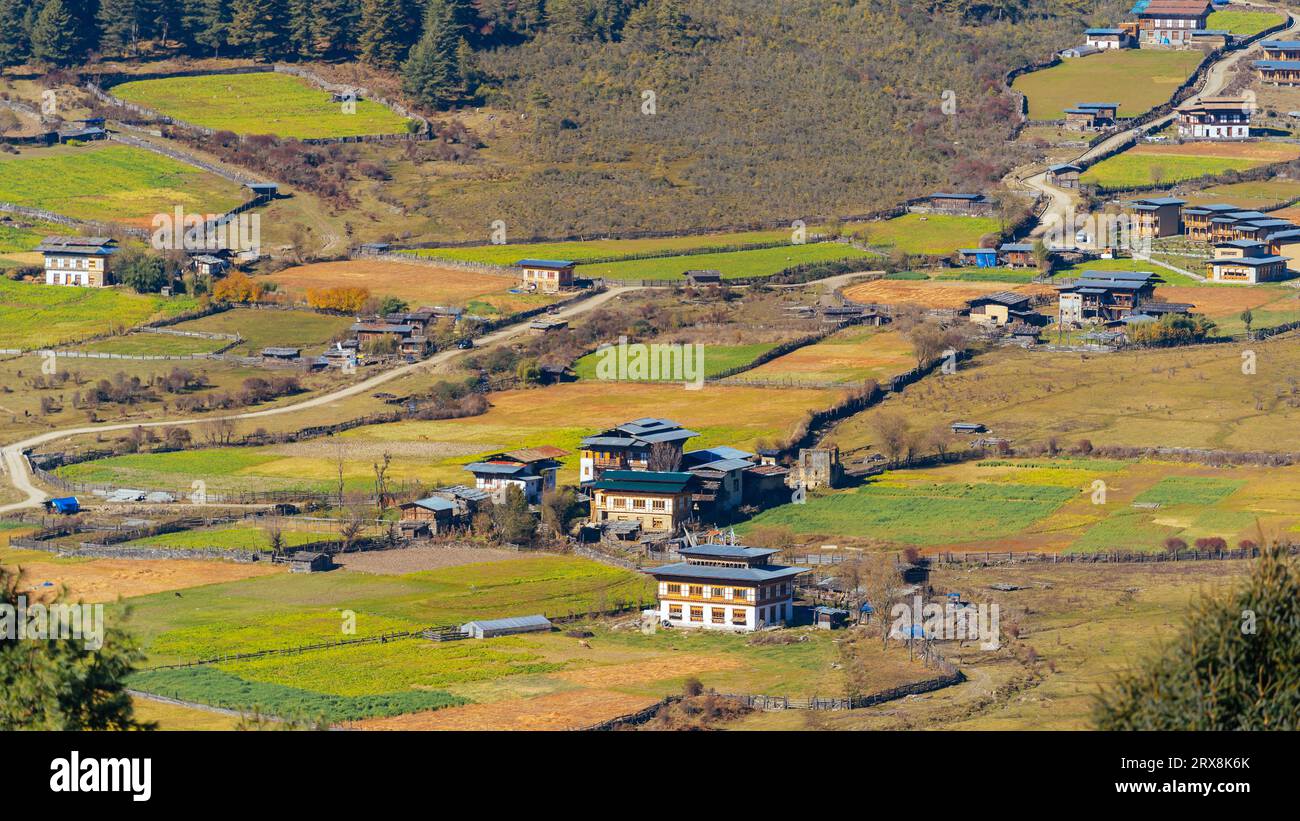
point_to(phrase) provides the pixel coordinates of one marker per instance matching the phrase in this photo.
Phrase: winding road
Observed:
(1061, 201)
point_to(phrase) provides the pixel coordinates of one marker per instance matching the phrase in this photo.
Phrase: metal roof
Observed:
(644, 481)
(1248, 261)
(941, 195)
(704, 571)
(434, 503)
(544, 263)
(724, 465)
(509, 623)
(727, 551)
(494, 467)
(718, 452)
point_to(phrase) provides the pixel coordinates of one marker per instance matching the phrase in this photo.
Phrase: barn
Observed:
(506, 627)
(307, 562)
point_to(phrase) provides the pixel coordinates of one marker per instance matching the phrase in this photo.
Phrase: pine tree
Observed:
(384, 23)
(14, 41)
(257, 27)
(205, 23)
(54, 35)
(334, 27)
(119, 25)
(431, 76)
(299, 34)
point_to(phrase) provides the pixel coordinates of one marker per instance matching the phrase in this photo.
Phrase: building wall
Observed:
(548, 279)
(700, 611)
(1291, 251)
(620, 506)
(76, 270)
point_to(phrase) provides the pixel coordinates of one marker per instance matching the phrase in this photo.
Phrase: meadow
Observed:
(599, 249)
(234, 538)
(261, 328)
(852, 355)
(930, 233)
(1149, 164)
(1242, 23)
(717, 359)
(263, 103)
(1257, 195)
(757, 263)
(1071, 505)
(148, 344)
(33, 316)
(108, 182)
(435, 452)
(1137, 79)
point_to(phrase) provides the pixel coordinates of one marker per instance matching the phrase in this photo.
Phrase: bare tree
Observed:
(275, 537)
(350, 528)
(883, 584)
(893, 430)
(664, 456)
(381, 482)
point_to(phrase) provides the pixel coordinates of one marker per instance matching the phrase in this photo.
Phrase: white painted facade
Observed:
(74, 269)
(1213, 131)
(737, 611)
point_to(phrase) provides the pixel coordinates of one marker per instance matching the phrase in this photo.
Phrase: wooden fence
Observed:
(988, 557)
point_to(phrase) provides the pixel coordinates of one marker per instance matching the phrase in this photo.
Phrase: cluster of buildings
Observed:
(1281, 63)
(1157, 24)
(1113, 298)
(1250, 246)
(1008, 255)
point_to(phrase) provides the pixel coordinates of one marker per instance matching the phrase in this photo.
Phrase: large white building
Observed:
(77, 261)
(726, 587)
(1215, 118)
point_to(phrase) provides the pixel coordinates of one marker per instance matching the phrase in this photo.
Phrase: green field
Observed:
(267, 103)
(1134, 170)
(146, 344)
(1244, 23)
(33, 316)
(232, 538)
(717, 359)
(596, 249)
(19, 239)
(931, 233)
(732, 264)
(1137, 79)
(111, 183)
(262, 328)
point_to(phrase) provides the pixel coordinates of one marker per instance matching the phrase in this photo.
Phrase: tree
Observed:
(384, 26)
(62, 683)
(512, 519)
(207, 22)
(119, 25)
(14, 40)
(392, 305)
(882, 582)
(559, 510)
(664, 456)
(257, 27)
(146, 273)
(1247, 319)
(237, 287)
(431, 74)
(54, 35)
(893, 432)
(1234, 666)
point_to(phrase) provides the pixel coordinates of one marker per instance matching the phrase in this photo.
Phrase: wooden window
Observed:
(675, 611)
(659, 504)
(697, 614)
(719, 615)
(739, 616)
(638, 504)
(697, 590)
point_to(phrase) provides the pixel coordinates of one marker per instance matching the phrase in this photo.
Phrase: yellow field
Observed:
(851, 355)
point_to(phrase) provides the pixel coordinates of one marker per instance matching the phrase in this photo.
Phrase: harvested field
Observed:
(851, 355)
(556, 711)
(415, 559)
(417, 284)
(332, 447)
(930, 293)
(646, 671)
(105, 580)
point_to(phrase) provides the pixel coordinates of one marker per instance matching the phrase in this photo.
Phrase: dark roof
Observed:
(728, 551)
(432, 503)
(645, 481)
(1103, 31)
(381, 328)
(1284, 45)
(1248, 261)
(1063, 166)
(1015, 246)
(495, 468)
(705, 571)
(1278, 65)
(943, 196)
(544, 263)
(1001, 298)
(1213, 208)
(1096, 105)
(290, 352)
(78, 245)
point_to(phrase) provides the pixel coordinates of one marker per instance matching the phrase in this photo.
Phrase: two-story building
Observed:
(726, 587)
(546, 275)
(1107, 38)
(1246, 261)
(660, 501)
(1088, 116)
(1215, 118)
(1105, 296)
(1196, 219)
(629, 446)
(532, 470)
(79, 261)
(1281, 63)
(1155, 216)
(1170, 23)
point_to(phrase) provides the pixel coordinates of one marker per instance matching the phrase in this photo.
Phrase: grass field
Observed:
(418, 284)
(930, 233)
(17, 239)
(266, 103)
(732, 264)
(717, 359)
(1137, 79)
(1244, 23)
(850, 355)
(1153, 164)
(930, 293)
(111, 183)
(262, 328)
(1257, 195)
(33, 316)
(1047, 505)
(436, 451)
(233, 538)
(587, 250)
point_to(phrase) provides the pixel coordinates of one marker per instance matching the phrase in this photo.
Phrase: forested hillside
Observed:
(761, 109)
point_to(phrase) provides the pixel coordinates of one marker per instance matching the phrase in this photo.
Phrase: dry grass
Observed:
(105, 580)
(930, 293)
(417, 284)
(416, 559)
(570, 710)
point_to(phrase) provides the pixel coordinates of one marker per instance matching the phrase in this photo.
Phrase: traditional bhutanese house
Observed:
(1105, 296)
(628, 446)
(1246, 225)
(433, 514)
(829, 618)
(1064, 175)
(1170, 22)
(81, 135)
(417, 346)
(1251, 270)
(1281, 49)
(661, 501)
(703, 277)
(1092, 115)
(532, 470)
(817, 467)
(1286, 243)
(1196, 218)
(1215, 118)
(1003, 308)
(1155, 216)
(209, 265)
(726, 587)
(972, 205)
(979, 257)
(81, 261)
(766, 484)
(420, 319)
(547, 275)
(1237, 248)
(1211, 38)
(1103, 39)
(368, 332)
(276, 354)
(1017, 254)
(722, 476)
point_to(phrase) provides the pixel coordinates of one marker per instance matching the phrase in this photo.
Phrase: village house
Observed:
(547, 275)
(1017, 255)
(1245, 225)
(80, 261)
(419, 320)
(1281, 63)
(1104, 38)
(1196, 219)
(1064, 175)
(1105, 296)
(1003, 308)
(659, 501)
(979, 257)
(722, 476)
(1087, 116)
(628, 447)
(281, 354)
(1170, 22)
(766, 484)
(1155, 216)
(532, 470)
(1246, 261)
(210, 265)
(367, 333)
(1215, 118)
(304, 561)
(1285, 243)
(970, 205)
(417, 347)
(1211, 39)
(433, 515)
(726, 587)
